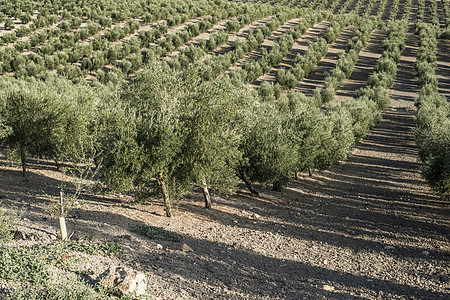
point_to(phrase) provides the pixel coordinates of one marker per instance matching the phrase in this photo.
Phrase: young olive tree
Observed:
(45, 118)
(183, 133)
(268, 154)
(212, 114)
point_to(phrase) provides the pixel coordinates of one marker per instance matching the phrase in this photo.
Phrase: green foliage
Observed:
(22, 264)
(157, 233)
(379, 83)
(268, 155)
(364, 114)
(29, 263)
(266, 91)
(8, 222)
(117, 150)
(70, 290)
(172, 127)
(432, 132)
(94, 248)
(48, 117)
(320, 140)
(432, 135)
(9, 24)
(73, 288)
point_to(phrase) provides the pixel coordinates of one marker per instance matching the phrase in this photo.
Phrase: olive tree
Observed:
(183, 133)
(45, 118)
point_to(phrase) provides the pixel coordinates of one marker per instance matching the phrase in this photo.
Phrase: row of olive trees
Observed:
(379, 83)
(306, 64)
(101, 10)
(213, 67)
(100, 51)
(192, 54)
(433, 117)
(446, 8)
(171, 132)
(91, 56)
(176, 132)
(13, 36)
(134, 61)
(174, 41)
(165, 129)
(44, 118)
(347, 60)
(251, 70)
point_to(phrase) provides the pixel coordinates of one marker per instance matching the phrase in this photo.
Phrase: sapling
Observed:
(79, 174)
(60, 208)
(62, 219)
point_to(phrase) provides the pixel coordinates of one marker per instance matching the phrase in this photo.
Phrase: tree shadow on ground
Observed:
(365, 203)
(219, 265)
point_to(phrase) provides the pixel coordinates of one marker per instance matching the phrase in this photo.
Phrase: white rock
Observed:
(159, 246)
(325, 262)
(389, 247)
(186, 248)
(328, 288)
(125, 281)
(425, 252)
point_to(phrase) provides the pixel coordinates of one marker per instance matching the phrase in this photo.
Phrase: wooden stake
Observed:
(62, 220)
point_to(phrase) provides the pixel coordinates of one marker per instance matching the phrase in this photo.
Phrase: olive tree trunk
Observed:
(166, 197)
(206, 195)
(248, 183)
(23, 160)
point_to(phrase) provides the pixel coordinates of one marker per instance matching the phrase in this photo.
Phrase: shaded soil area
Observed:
(387, 10)
(338, 7)
(440, 13)
(405, 90)
(363, 7)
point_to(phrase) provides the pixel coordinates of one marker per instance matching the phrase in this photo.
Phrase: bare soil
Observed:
(405, 89)
(362, 8)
